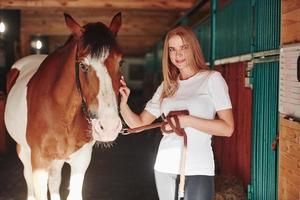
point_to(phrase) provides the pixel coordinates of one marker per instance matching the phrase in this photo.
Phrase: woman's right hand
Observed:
(124, 91)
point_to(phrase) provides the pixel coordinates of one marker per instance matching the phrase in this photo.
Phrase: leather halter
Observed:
(179, 131)
(89, 116)
(84, 107)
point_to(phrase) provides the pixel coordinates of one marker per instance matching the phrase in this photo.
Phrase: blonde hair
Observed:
(195, 59)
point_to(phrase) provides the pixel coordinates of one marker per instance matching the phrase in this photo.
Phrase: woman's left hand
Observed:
(182, 122)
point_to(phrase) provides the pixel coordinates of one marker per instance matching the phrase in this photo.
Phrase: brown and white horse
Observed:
(59, 105)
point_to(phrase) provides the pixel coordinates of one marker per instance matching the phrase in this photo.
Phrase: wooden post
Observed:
(24, 44)
(3, 133)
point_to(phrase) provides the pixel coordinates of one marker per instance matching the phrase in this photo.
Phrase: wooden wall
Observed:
(289, 162)
(290, 21)
(233, 155)
(289, 135)
(139, 32)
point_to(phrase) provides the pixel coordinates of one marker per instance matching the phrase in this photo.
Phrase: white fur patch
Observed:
(16, 105)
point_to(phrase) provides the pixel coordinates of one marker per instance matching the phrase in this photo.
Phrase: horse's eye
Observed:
(121, 63)
(84, 67)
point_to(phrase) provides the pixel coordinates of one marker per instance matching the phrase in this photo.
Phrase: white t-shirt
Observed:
(202, 95)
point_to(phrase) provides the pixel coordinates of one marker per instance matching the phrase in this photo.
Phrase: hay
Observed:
(229, 188)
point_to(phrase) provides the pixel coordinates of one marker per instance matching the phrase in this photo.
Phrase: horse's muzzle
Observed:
(105, 130)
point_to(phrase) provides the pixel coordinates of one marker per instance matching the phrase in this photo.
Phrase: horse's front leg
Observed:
(24, 155)
(40, 174)
(55, 179)
(79, 162)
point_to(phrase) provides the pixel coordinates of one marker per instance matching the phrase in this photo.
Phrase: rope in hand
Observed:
(174, 128)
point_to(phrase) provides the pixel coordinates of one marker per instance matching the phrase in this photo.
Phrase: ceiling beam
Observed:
(134, 24)
(107, 4)
(144, 22)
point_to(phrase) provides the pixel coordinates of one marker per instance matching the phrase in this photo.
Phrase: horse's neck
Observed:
(56, 75)
(64, 83)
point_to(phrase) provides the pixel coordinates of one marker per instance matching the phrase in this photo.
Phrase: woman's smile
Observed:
(180, 61)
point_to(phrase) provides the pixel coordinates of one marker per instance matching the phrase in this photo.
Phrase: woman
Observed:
(188, 84)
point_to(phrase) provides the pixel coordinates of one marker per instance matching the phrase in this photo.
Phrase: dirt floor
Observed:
(121, 172)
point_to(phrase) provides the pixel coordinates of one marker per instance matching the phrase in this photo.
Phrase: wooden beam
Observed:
(130, 45)
(138, 34)
(49, 28)
(137, 23)
(143, 22)
(107, 4)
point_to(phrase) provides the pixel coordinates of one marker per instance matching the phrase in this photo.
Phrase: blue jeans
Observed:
(198, 187)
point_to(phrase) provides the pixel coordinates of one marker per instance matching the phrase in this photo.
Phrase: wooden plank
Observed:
(290, 148)
(291, 26)
(49, 28)
(287, 191)
(290, 176)
(52, 23)
(127, 42)
(107, 4)
(289, 5)
(140, 18)
(290, 162)
(139, 32)
(292, 136)
(290, 124)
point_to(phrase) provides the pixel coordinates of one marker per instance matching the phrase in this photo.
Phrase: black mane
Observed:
(98, 38)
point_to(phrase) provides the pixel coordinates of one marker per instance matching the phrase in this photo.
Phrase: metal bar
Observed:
(214, 4)
(266, 53)
(258, 57)
(266, 59)
(234, 59)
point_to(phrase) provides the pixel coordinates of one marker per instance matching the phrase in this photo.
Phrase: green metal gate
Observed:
(203, 34)
(265, 127)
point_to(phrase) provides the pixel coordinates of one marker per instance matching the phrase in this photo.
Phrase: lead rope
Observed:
(179, 131)
(182, 168)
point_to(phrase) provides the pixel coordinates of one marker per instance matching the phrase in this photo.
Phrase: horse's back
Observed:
(16, 105)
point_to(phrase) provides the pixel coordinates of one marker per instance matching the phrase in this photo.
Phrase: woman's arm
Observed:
(223, 126)
(132, 119)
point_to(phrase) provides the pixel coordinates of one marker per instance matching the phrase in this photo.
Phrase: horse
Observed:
(58, 106)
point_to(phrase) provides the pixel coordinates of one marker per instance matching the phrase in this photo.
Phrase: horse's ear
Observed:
(76, 29)
(116, 23)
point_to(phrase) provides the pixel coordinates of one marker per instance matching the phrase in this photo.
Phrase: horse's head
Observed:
(97, 75)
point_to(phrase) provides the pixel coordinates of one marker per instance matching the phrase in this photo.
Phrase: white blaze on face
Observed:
(108, 124)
